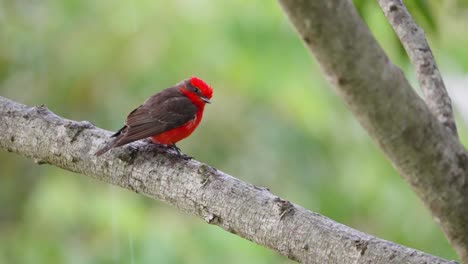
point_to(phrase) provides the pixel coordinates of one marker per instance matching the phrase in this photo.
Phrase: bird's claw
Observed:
(185, 157)
(180, 154)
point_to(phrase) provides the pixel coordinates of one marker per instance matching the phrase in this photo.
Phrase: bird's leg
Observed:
(180, 154)
(177, 149)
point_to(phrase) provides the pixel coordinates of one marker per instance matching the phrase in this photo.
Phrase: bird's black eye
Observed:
(193, 88)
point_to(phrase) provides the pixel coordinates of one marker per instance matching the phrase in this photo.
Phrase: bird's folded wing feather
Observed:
(155, 117)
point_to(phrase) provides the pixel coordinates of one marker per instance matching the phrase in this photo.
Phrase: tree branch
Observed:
(413, 39)
(376, 91)
(196, 188)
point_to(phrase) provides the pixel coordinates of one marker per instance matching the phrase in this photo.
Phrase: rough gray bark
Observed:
(196, 188)
(424, 152)
(413, 39)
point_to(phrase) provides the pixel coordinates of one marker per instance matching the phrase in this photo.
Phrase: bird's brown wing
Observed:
(150, 119)
(162, 112)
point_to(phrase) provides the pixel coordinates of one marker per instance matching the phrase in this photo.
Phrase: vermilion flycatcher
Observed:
(166, 117)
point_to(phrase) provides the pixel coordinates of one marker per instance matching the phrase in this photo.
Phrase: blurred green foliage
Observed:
(274, 122)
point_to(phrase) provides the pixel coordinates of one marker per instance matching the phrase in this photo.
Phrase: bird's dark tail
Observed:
(113, 143)
(106, 148)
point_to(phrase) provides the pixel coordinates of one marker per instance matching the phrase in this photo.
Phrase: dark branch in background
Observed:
(413, 39)
(425, 153)
(198, 189)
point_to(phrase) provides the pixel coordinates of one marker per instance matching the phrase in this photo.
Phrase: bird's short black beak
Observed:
(206, 100)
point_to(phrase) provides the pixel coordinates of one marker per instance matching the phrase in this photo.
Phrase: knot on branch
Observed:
(285, 207)
(361, 246)
(42, 109)
(212, 219)
(40, 162)
(208, 216)
(205, 172)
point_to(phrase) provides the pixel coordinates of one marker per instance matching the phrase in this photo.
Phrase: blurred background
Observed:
(274, 122)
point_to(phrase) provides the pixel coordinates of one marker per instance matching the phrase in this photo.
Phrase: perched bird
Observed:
(166, 117)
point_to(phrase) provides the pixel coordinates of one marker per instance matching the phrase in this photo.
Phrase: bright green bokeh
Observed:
(275, 122)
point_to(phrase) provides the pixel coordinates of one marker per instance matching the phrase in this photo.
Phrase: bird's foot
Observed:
(180, 154)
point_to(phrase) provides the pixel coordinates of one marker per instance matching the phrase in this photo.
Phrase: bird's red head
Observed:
(205, 89)
(197, 91)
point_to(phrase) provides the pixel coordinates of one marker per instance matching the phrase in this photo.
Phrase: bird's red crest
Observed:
(205, 89)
